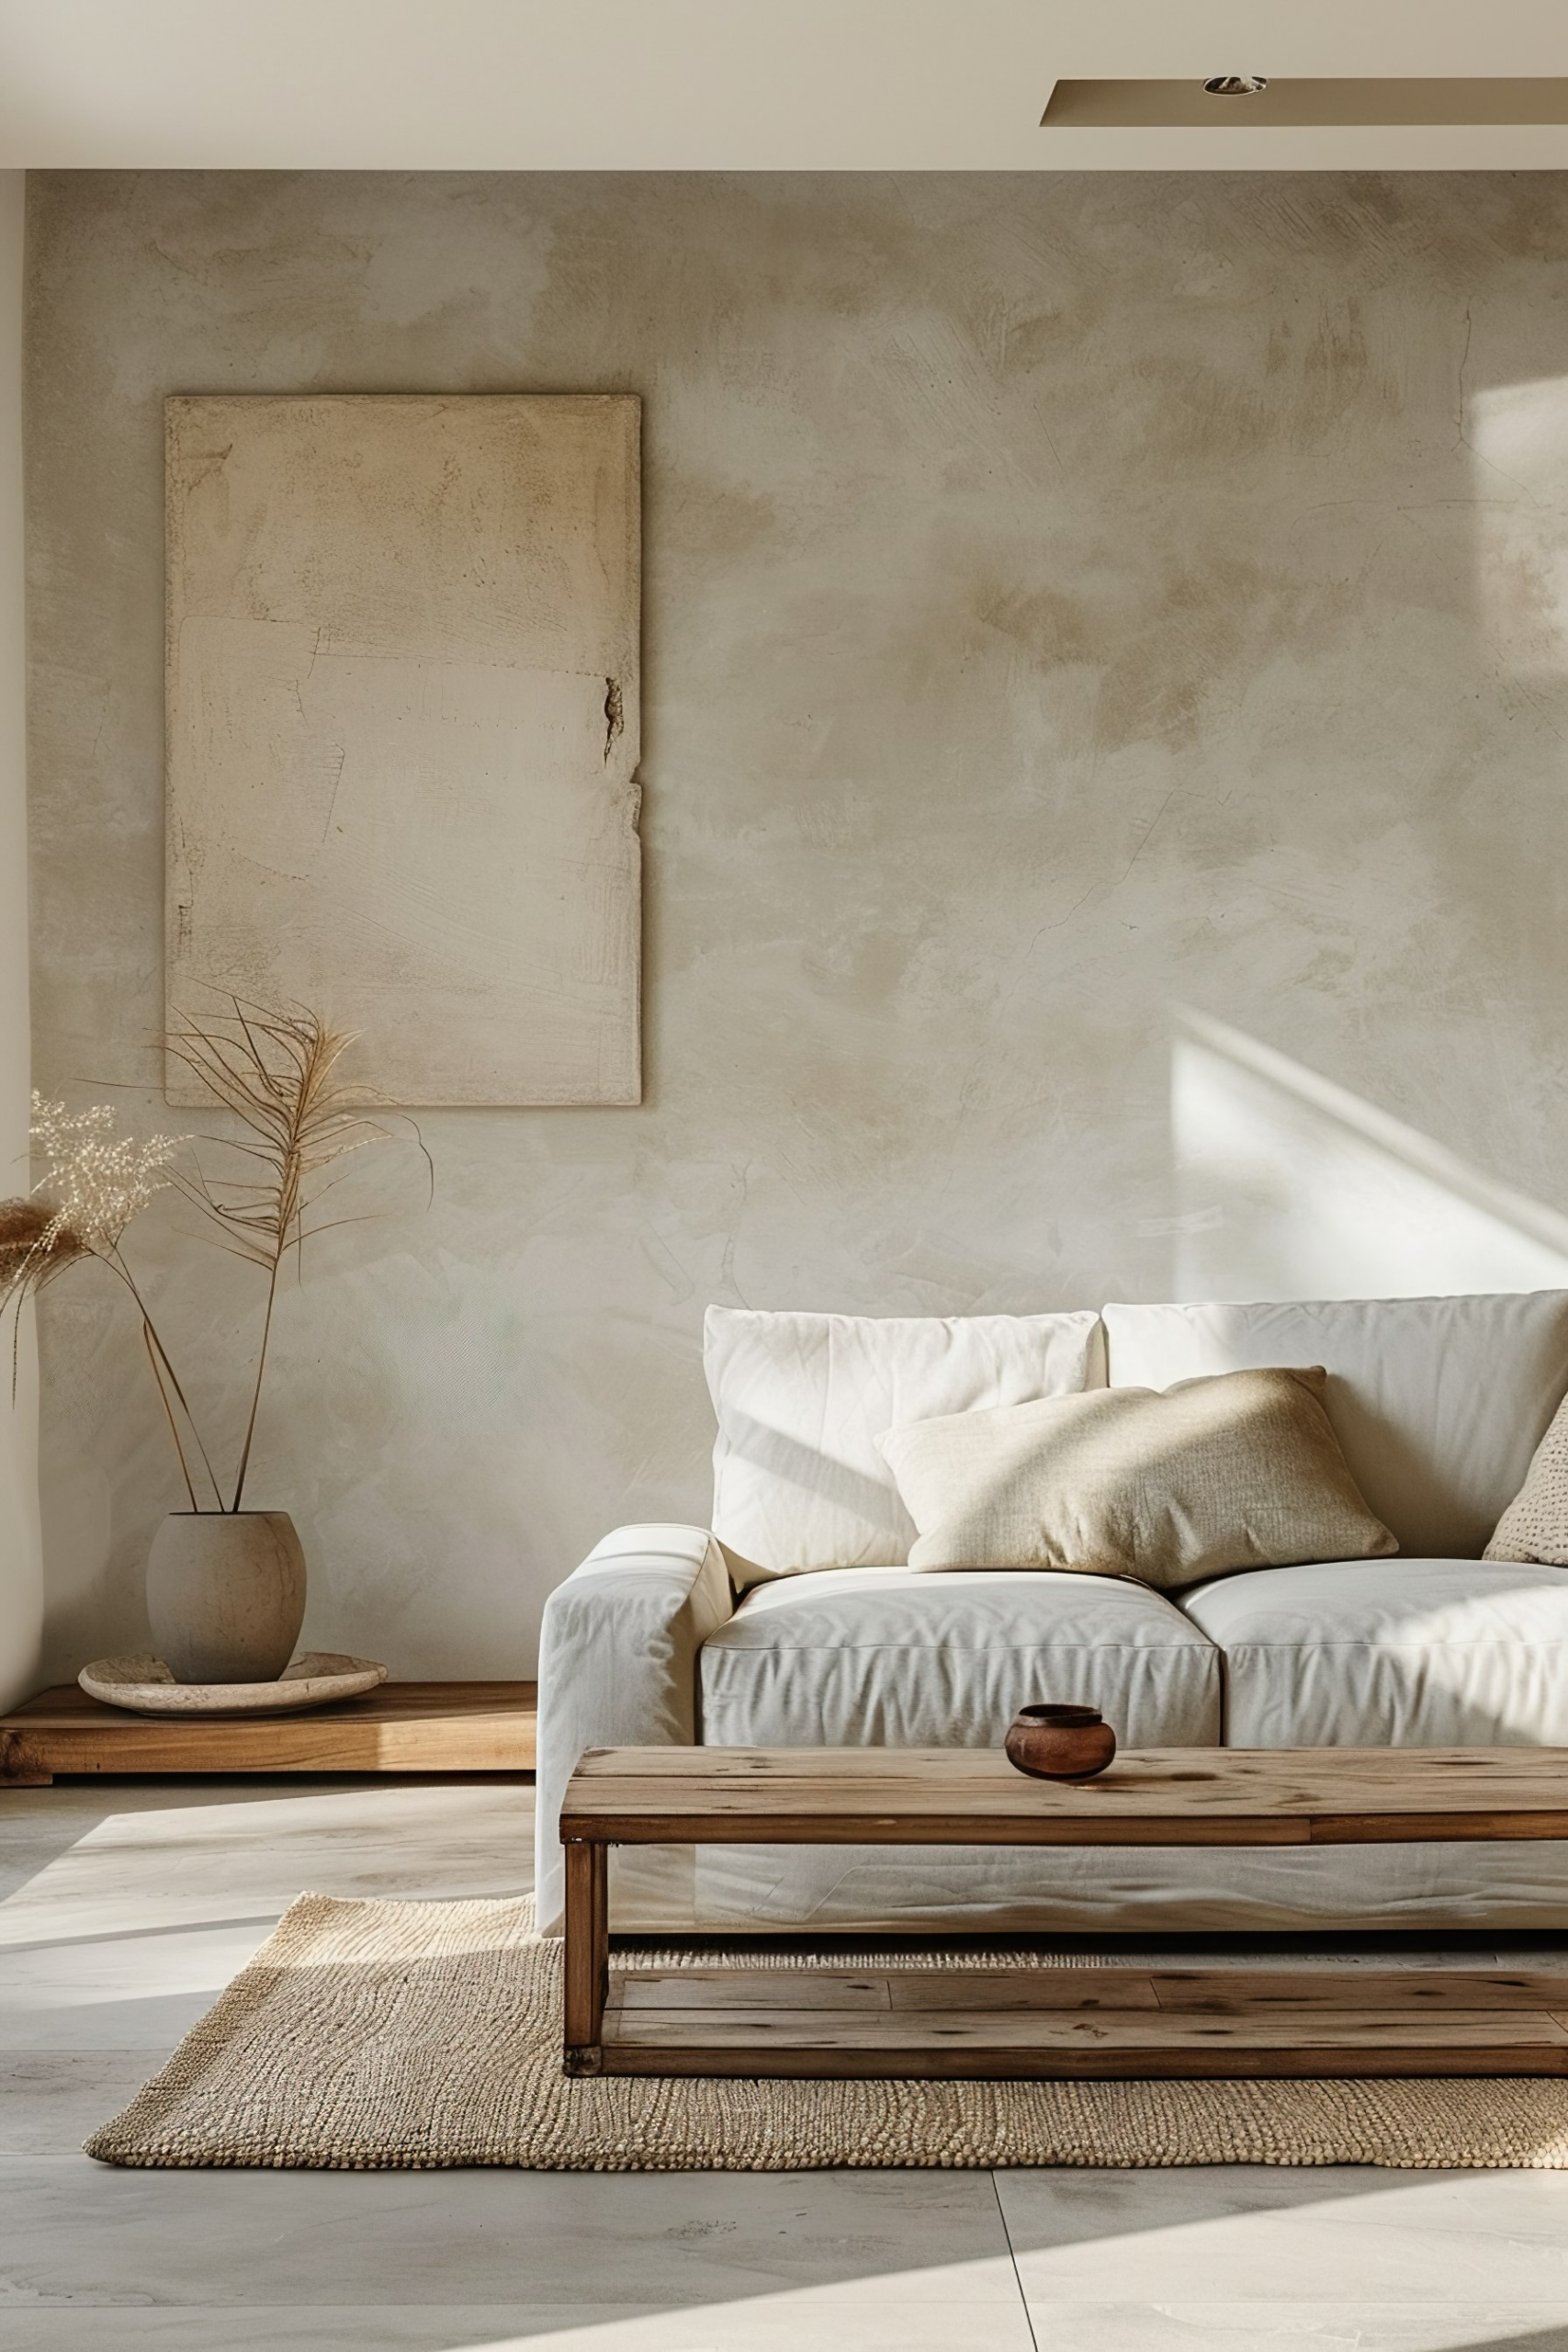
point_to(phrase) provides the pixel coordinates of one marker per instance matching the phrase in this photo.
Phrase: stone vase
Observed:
(226, 1594)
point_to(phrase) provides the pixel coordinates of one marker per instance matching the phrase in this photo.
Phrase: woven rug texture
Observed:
(371, 2036)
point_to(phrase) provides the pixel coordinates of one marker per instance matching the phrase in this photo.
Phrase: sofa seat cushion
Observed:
(1392, 1653)
(891, 1658)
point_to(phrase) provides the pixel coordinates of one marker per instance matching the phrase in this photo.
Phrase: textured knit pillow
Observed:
(1241, 1470)
(1535, 1525)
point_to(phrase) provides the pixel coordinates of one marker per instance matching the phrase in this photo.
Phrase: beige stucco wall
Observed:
(1064, 599)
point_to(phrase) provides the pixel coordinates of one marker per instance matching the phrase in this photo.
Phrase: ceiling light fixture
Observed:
(1298, 103)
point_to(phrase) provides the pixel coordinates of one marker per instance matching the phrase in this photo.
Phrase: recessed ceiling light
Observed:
(1298, 102)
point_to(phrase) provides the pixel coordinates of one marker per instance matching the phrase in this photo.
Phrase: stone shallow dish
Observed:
(145, 1686)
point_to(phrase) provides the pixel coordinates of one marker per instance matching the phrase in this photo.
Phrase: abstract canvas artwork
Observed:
(403, 732)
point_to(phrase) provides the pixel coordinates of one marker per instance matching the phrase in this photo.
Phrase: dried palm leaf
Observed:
(277, 1074)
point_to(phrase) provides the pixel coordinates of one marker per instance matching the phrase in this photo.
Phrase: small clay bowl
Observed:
(1060, 1742)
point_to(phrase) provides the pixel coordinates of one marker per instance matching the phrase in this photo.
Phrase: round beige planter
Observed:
(226, 1594)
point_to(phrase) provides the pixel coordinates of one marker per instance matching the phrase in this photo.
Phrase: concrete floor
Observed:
(124, 1908)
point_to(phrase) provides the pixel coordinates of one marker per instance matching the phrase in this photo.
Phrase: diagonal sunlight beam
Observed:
(1289, 1186)
(783, 2321)
(1517, 437)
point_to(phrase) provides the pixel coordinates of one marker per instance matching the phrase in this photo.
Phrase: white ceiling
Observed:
(725, 84)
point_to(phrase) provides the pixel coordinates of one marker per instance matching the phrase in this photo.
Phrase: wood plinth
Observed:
(400, 1727)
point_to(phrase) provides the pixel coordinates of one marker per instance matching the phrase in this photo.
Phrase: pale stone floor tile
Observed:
(761, 2323)
(131, 1904)
(171, 1813)
(50, 2099)
(131, 1921)
(1301, 2327)
(109, 1794)
(182, 1979)
(71, 1972)
(57, 1916)
(123, 1856)
(1275, 2234)
(154, 2023)
(76, 2231)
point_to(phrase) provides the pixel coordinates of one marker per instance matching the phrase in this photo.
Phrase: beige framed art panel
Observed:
(403, 732)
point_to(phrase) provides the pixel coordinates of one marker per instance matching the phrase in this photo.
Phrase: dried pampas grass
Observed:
(34, 1244)
(277, 1074)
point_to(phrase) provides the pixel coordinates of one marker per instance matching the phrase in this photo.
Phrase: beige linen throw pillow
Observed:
(1535, 1525)
(1238, 1470)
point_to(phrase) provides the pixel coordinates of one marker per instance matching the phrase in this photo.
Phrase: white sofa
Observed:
(1439, 1405)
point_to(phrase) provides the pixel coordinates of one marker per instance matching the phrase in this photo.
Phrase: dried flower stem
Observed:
(256, 1393)
(168, 1409)
(97, 1182)
(275, 1072)
(159, 1355)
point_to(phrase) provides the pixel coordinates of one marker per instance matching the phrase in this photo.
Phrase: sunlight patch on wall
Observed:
(1288, 1186)
(1518, 434)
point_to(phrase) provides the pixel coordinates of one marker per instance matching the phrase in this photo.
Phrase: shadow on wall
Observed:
(1287, 1186)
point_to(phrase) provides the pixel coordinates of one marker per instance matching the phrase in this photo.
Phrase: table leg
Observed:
(587, 1955)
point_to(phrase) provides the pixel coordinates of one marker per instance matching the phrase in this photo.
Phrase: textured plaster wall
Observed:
(21, 1587)
(1064, 597)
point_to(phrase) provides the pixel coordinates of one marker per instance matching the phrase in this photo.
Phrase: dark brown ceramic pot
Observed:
(1060, 1742)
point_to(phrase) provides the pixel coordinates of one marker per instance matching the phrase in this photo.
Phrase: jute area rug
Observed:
(389, 2036)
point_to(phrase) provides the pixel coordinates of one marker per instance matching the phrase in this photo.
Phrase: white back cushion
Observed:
(802, 1399)
(1438, 1403)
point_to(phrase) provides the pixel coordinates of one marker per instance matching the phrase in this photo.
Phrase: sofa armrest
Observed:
(618, 1666)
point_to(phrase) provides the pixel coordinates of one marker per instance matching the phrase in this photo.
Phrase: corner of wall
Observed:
(21, 1571)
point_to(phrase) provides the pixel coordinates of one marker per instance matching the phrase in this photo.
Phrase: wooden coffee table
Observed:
(1053, 2022)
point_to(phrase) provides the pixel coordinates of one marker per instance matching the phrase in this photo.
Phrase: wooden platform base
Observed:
(1081, 2024)
(401, 1727)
